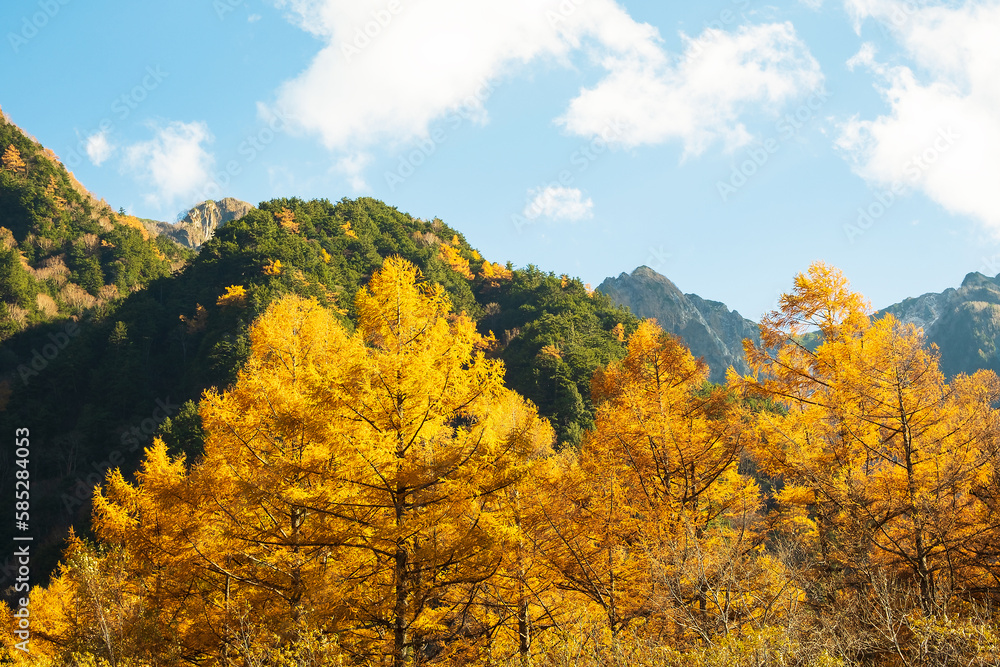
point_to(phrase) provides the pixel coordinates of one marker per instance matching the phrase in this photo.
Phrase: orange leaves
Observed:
(495, 273)
(236, 296)
(193, 325)
(286, 219)
(334, 455)
(273, 268)
(12, 161)
(134, 223)
(882, 448)
(658, 471)
(821, 300)
(452, 258)
(552, 351)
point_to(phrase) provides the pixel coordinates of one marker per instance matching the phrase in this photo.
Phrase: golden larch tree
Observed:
(885, 464)
(646, 521)
(350, 485)
(12, 160)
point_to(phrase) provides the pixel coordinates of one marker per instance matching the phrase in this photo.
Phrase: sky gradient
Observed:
(725, 144)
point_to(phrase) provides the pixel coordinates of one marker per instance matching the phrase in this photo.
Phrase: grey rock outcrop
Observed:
(964, 323)
(708, 328)
(201, 222)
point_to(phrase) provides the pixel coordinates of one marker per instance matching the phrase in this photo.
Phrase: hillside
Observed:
(137, 364)
(63, 252)
(708, 328)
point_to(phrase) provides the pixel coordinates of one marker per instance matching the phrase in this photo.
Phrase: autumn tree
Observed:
(12, 160)
(886, 465)
(644, 522)
(286, 218)
(350, 485)
(451, 256)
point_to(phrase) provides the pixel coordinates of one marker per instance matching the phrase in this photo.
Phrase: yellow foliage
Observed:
(495, 273)
(236, 295)
(885, 453)
(333, 452)
(348, 232)
(377, 495)
(134, 223)
(656, 497)
(12, 160)
(273, 268)
(286, 219)
(455, 260)
(551, 351)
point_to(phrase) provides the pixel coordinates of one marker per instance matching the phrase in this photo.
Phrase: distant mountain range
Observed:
(709, 328)
(964, 323)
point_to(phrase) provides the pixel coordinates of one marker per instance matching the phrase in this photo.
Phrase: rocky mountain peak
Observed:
(708, 328)
(201, 222)
(964, 323)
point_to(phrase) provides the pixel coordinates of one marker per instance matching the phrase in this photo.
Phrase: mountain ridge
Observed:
(709, 328)
(964, 322)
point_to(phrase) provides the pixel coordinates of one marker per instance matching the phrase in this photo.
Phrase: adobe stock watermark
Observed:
(427, 146)
(224, 7)
(40, 359)
(122, 107)
(131, 441)
(914, 169)
(658, 258)
(31, 26)
(990, 266)
(562, 12)
(251, 147)
(364, 35)
(582, 158)
(900, 13)
(726, 19)
(756, 157)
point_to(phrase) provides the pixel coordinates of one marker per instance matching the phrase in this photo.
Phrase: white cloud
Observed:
(352, 167)
(700, 97)
(253, 18)
(949, 89)
(812, 4)
(99, 149)
(389, 69)
(174, 162)
(558, 203)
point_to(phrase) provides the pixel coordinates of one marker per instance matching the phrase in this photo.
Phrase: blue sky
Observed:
(726, 144)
